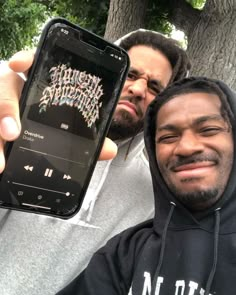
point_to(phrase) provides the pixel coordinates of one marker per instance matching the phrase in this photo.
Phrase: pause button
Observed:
(48, 172)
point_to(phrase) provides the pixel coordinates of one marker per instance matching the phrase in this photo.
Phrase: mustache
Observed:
(192, 159)
(134, 101)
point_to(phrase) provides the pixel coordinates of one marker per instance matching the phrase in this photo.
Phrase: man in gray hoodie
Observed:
(40, 254)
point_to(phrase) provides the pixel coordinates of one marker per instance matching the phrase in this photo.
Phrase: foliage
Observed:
(20, 21)
(90, 14)
(157, 14)
(156, 17)
(197, 3)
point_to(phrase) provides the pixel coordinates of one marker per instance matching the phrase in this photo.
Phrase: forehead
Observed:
(185, 108)
(151, 62)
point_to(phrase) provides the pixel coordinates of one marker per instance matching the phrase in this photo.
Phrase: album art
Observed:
(71, 94)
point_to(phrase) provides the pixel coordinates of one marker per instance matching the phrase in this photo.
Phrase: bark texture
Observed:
(125, 16)
(211, 32)
(211, 37)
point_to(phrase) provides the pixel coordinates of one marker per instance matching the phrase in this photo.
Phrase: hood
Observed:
(181, 217)
(118, 41)
(175, 56)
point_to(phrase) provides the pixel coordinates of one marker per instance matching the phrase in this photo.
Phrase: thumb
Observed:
(109, 150)
(21, 61)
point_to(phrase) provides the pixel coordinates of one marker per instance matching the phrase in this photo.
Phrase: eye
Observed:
(167, 139)
(210, 131)
(154, 90)
(132, 76)
(154, 87)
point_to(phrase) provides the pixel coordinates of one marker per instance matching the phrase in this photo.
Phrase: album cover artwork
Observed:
(71, 94)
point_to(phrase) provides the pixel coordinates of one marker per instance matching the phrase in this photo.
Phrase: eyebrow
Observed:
(154, 81)
(197, 121)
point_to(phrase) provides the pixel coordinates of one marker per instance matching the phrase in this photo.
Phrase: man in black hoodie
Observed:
(190, 246)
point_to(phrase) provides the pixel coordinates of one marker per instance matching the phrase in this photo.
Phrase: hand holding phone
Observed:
(66, 108)
(21, 62)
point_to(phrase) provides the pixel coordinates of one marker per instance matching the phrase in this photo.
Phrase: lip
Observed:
(194, 170)
(129, 106)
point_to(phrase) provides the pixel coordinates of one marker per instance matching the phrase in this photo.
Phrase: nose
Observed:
(138, 88)
(188, 144)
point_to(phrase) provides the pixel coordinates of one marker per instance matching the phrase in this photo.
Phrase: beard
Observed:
(124, 125)
(197, 200)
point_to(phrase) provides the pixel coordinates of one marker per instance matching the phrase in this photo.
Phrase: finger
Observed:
(109, 150)
(2, 158)
(10, 85)
(22, 61)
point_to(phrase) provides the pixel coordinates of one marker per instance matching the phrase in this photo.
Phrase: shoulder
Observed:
(110, 271)
(129, 241)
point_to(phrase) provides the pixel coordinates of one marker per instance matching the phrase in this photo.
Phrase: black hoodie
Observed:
(176, 253)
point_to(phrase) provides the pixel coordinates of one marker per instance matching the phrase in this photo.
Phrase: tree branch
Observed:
(182, 15)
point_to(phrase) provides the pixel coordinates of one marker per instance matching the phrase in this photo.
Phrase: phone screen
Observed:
(67, 107)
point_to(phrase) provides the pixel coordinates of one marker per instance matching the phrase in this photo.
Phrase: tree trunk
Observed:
(125, 16)
(211, 38)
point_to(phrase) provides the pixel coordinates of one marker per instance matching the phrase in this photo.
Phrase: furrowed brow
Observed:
(154, 82)
(135, 71)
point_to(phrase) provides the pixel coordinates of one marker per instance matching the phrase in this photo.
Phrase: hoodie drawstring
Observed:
(163, 244)
(215, 252)
(215, 257)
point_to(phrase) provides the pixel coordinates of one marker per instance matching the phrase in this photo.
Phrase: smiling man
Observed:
(194, 148)
(189, 246)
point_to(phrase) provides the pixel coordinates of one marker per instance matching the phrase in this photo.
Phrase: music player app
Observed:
(67, 108)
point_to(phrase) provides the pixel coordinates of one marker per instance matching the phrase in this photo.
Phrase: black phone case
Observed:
(23, 103)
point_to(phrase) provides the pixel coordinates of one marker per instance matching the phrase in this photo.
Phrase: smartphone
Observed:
(66, 108)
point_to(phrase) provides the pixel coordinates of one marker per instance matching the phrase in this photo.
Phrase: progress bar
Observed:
(41, 188)
(49, 155)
